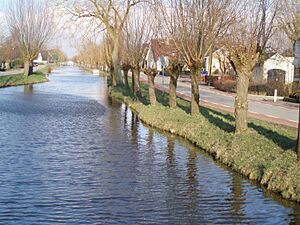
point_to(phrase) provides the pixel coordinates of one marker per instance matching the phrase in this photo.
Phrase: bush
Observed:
(258, 89)
(225, 85)
(282, 89)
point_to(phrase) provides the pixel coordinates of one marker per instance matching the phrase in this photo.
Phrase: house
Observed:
(39, 59)
(220, 64)
(277, 67)
(158, 54)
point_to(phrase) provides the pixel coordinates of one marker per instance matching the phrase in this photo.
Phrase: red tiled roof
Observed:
(161, 47)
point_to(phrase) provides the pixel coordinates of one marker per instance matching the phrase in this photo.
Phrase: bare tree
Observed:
(195, 26)
(289, 19)
(244, 45)
(174, 70)
(139, 30)
(8, 51)
(151, 74)
(111, 15)
(31, 25)
(267, 12)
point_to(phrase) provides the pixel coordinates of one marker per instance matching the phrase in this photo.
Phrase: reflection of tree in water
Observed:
(237, 200)
(28, 89)
(134, 130)
(125, 116)
(150, 136)
(192, 191)
(171, 145)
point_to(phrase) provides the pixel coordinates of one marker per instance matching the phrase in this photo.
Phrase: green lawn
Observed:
(16, 80)
(265, 153)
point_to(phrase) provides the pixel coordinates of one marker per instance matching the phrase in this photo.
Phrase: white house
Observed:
(278, 67)
(219, 63)
(158, 54)
(40, 60)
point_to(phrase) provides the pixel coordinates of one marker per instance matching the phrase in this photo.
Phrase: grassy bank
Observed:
(20, 79)
(265, 153)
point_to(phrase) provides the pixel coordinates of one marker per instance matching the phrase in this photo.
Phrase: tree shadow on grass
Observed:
(221, 120)
(282, 141)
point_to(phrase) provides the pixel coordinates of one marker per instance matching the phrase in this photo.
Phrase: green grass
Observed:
(265, 153)
(20, 79)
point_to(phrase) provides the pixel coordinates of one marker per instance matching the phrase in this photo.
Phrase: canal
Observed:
(71, 155)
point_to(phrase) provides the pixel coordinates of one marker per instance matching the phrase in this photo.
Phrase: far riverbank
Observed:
(39, 76)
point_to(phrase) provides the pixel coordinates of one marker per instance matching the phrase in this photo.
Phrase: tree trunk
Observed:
(262, 60)
(116, 62)
(126, 78)
(132, 80)
(210, 61)
(298, 139)
(31, 67)
(26, 68)
(195, 93)
(136, 83)
(112, 76)
(172, 91)
(241, 103)
(151, 89)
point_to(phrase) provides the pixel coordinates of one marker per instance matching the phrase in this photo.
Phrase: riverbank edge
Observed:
(280, 177)
(20, 80)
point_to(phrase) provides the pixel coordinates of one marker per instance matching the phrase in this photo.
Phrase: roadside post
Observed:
(163, 64)
(275, 95)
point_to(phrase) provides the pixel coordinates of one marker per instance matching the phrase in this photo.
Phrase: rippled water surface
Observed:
(71, 155)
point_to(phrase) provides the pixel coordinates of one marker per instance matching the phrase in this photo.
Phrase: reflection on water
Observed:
(28, 89)
(70, 155)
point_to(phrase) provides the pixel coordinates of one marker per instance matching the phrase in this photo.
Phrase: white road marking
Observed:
(294, 121)
(271, 116)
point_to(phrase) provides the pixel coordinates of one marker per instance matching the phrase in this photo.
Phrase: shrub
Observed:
(225, 85)
(259, 89)
(282, 89)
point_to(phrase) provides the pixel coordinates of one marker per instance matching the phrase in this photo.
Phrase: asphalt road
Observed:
(19, 71)
(259, 106)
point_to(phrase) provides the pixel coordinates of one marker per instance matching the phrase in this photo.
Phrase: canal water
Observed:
(71, 155)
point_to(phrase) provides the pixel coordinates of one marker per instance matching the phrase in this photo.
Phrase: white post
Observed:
(275, 95)
(163, 81)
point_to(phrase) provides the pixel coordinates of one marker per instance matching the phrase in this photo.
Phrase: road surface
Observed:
(261, 107)
(19, 71)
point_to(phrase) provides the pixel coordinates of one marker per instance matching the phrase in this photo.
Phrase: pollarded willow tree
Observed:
(174, 70)
(140, 28)
(195, 26)
(31, 25)
(108, 14)
(243, 43)
(289, 19)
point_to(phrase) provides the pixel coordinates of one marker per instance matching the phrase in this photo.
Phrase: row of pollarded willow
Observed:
(113, 16)
(195, 27)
